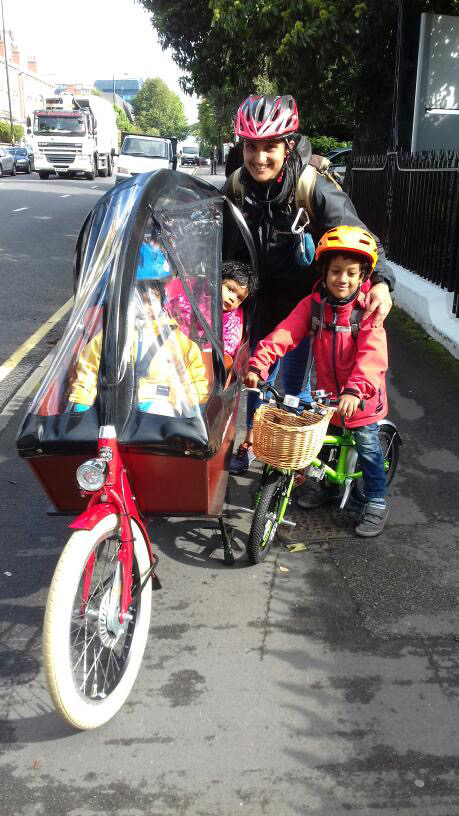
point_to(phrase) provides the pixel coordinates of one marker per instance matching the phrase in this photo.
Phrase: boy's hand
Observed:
(348, 405)
(378, 304)
(251, 381)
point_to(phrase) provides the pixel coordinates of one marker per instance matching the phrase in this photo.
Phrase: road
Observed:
(324, 682)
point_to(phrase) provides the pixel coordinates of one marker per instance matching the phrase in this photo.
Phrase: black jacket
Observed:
(270, 212)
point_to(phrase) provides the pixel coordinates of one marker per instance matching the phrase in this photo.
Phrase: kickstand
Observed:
(227, 538)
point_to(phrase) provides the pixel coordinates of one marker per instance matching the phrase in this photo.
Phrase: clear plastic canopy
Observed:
(127, 357)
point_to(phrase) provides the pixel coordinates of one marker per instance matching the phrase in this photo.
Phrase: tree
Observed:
(123, 123)
(158, 108)
(337, 59)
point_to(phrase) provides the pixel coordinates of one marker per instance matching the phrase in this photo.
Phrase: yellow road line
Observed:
(10, 364)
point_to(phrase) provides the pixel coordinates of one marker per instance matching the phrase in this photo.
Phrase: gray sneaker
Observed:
(373, 520)
(313, 494)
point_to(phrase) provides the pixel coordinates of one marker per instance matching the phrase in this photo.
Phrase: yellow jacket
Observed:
(176, 375)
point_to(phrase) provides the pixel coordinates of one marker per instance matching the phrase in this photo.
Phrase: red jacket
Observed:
(343, 362)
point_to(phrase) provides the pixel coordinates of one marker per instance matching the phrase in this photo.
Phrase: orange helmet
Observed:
(349, 239)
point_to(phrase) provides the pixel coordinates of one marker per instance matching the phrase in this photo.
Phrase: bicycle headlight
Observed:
(91, 475)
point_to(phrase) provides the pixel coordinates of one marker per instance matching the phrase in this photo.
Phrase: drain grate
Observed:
(321, 524)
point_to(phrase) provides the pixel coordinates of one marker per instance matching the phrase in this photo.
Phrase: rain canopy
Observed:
(127, 358)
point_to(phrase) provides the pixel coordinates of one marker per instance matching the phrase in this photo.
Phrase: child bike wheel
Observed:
(265, 518)
(390, 446)
(91, 659)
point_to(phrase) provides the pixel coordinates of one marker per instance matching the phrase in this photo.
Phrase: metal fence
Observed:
(412, 203)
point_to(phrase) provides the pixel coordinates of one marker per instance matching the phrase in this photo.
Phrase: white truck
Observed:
(74, 134)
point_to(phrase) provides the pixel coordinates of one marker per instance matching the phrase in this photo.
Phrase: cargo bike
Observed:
(135, 418)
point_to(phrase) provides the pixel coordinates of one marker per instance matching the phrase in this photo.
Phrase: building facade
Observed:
(126, 88)
(28, 90)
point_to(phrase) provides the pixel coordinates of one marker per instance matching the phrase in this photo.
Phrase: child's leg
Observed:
(293, 370)
(244, 456)
(372, 461)
(374, 479)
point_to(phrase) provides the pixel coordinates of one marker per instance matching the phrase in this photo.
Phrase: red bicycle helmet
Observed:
(266, 117)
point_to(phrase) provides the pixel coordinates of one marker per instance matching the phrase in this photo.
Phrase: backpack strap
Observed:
(305, 188)
(306, 183)
(356, 317)
(238, 189)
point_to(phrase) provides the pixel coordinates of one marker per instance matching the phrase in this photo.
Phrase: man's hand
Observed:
(378, 303)
(251, 381)
(348, 405)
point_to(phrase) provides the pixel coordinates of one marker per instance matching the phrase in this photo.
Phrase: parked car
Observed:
(338, 161)
(7, 163)
(204, 161)
(23, 159)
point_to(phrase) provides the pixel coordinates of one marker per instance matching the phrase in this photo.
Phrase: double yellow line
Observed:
(10, 364)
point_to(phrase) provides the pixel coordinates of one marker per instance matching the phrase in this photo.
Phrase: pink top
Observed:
(179, 307)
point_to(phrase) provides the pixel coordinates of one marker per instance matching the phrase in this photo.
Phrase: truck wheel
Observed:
(109, 166)
(103, 172)
(90, 176)
(43, 174)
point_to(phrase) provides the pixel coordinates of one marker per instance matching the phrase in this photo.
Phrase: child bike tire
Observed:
(265, 518)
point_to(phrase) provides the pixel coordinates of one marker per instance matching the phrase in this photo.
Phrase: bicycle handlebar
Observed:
(318, 397)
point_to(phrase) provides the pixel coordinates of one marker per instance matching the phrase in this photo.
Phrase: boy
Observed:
(350, 361)
(170, 374)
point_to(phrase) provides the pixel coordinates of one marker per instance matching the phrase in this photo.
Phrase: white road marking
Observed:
(94, 186)
(43, 217)
(67, 195)
(19, 209)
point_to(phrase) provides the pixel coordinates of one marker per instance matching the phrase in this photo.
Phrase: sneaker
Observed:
(373, 520)
(241, 461)
(314, 494)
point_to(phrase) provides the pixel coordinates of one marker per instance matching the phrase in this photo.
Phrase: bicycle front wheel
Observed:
(266, 517)
(91, 659)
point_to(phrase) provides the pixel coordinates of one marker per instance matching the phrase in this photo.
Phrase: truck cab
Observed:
(69, 139)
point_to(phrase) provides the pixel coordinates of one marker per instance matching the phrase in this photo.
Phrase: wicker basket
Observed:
(287, 440)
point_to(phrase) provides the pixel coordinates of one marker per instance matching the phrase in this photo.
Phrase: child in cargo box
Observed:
(238, 285)
(170, 374)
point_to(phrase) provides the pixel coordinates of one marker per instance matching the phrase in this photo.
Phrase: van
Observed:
(143, 154)
(190, 155)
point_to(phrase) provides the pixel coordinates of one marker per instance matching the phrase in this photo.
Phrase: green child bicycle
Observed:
(285, 449)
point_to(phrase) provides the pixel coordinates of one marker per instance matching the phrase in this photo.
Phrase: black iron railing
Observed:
(411, 201)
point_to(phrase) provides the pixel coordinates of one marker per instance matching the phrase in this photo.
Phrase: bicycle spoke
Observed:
(98, 654)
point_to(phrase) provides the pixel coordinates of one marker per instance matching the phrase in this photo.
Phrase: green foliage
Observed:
(336, 58)
(323, 144)
(5, 132)
(216, 117)
(96, 92)
(123, 123)
(159, 111)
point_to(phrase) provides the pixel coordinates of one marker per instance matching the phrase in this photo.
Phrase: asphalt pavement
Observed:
(322, 682)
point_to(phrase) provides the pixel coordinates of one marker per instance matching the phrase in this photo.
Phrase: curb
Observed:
(428, 305)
